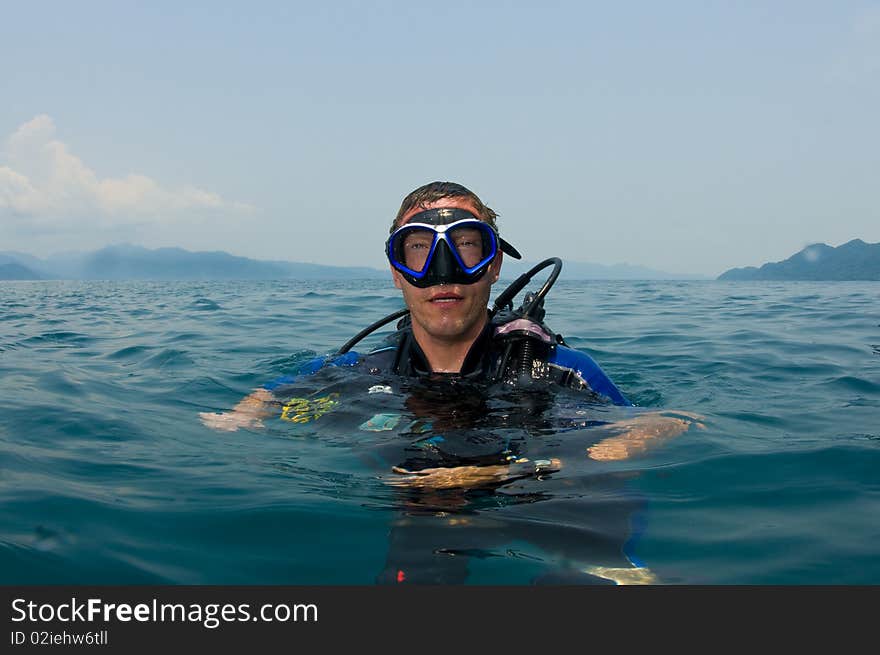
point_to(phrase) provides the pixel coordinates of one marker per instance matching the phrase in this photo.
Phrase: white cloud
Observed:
(44, 183)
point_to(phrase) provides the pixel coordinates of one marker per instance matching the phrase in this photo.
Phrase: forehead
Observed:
(443, 203)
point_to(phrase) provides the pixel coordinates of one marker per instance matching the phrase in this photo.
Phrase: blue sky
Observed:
(689, 137)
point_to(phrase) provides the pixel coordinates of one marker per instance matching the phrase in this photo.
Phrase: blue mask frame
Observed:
(443, 264)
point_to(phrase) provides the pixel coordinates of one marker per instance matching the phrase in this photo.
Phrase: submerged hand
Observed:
(470, 476)
(248, 413)
(229, 421)
(640, 433)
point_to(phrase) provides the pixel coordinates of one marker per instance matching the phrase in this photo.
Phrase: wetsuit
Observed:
(527, 362)
(507, 351)
(497, 356)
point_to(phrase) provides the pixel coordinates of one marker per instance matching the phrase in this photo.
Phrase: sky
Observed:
(687, 137)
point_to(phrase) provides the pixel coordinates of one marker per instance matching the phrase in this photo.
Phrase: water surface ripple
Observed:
(108, 477)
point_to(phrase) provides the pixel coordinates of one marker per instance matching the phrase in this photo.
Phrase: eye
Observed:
(417, 241)
(469, 239)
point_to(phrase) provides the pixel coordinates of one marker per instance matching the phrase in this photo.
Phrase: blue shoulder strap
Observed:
(586, 368)
(313, 366)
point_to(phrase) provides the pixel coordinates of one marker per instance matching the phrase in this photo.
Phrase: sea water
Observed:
(107, 475)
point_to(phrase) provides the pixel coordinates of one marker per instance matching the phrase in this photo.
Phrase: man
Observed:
(449, 314)
(445, 254)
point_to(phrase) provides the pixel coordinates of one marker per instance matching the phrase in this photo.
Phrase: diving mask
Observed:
(445, 246)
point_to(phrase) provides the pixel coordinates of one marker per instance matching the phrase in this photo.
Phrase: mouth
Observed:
(442, 298)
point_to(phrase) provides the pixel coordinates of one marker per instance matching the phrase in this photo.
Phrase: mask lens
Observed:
(471, 242)
(413, 247)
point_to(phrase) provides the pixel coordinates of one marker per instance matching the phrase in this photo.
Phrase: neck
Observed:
(447, 355)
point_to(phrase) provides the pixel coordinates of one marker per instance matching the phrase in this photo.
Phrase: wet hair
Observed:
(434, 191)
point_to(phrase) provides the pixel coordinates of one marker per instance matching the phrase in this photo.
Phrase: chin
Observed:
(443, 329)
(450, 327)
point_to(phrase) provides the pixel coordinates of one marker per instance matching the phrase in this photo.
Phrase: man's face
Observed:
(448, 312)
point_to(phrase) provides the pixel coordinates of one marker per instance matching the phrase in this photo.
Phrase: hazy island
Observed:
(854, 260)
(129, 262)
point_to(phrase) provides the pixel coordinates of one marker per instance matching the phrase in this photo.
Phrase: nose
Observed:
(443, 265)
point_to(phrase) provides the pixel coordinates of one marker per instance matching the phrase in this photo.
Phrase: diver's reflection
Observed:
(475, 481)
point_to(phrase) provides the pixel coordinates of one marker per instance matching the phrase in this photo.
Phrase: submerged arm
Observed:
(642, 432)
(263, 403)
(470, 477)
(248, 413)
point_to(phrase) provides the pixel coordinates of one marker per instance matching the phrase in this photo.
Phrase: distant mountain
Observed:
(14, 271)
(854, 260)
(512, 268)
(127, 262)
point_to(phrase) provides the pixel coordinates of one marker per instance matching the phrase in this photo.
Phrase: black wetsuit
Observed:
(514, 358)
(486, 415)
(438, 535)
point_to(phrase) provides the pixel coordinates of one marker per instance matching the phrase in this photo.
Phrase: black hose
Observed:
(507, 296)
(504, 299)
(527, 358)
(367, 330)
